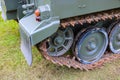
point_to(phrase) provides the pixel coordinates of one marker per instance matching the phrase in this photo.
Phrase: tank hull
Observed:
(70, 8)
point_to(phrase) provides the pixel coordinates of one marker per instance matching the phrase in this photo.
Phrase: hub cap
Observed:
(91, 45)
(115, 39)
(60, 42)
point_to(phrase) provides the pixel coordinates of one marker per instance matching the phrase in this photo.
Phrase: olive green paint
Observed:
(66, 8)
(69, 8)
(39, 30)
(9, 7)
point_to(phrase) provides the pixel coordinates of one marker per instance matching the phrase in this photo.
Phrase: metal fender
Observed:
(33, 32)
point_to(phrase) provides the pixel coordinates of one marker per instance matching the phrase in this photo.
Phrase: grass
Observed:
(14, 67)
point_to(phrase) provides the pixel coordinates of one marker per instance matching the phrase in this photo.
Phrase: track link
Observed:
(70, 61)
(91, 18)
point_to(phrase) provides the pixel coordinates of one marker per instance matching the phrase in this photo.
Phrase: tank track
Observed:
(100, 16)
(70, 61)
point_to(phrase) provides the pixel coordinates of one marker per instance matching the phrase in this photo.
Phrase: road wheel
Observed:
(91, 45)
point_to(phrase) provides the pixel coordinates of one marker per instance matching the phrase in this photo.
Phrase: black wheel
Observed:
(91, 45)
(115, 39)
(60, 42)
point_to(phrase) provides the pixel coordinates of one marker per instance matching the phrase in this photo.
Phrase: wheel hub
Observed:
(58, 40)
(91, 46)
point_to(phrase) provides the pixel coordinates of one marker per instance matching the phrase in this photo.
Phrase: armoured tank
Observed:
(89, 29)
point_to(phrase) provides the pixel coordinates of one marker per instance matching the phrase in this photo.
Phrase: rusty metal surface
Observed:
(70, 61)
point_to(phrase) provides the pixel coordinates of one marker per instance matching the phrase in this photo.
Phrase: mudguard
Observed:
(33, 32)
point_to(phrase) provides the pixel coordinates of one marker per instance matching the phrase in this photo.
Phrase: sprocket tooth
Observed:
(89, 21)
(80, 68)
(92, 20)
(106, 59)
(59, 61)
(64, 61)
(72, 64)
(103, 18)
(64, 25)
(95, 65)
(48, 58)
(106, 15)
(81, 22)
(96, 19)
(100, 63)
(72, 23)
(110, 17)
(54, 61)
(67, 64)
(90, 67)
(117, 15)
(85, 68)
(76, 65)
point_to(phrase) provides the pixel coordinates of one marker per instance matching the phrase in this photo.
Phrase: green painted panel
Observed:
(42, 2)
(9, 9)
(69, 8)
(11, 4)
(38, 31)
